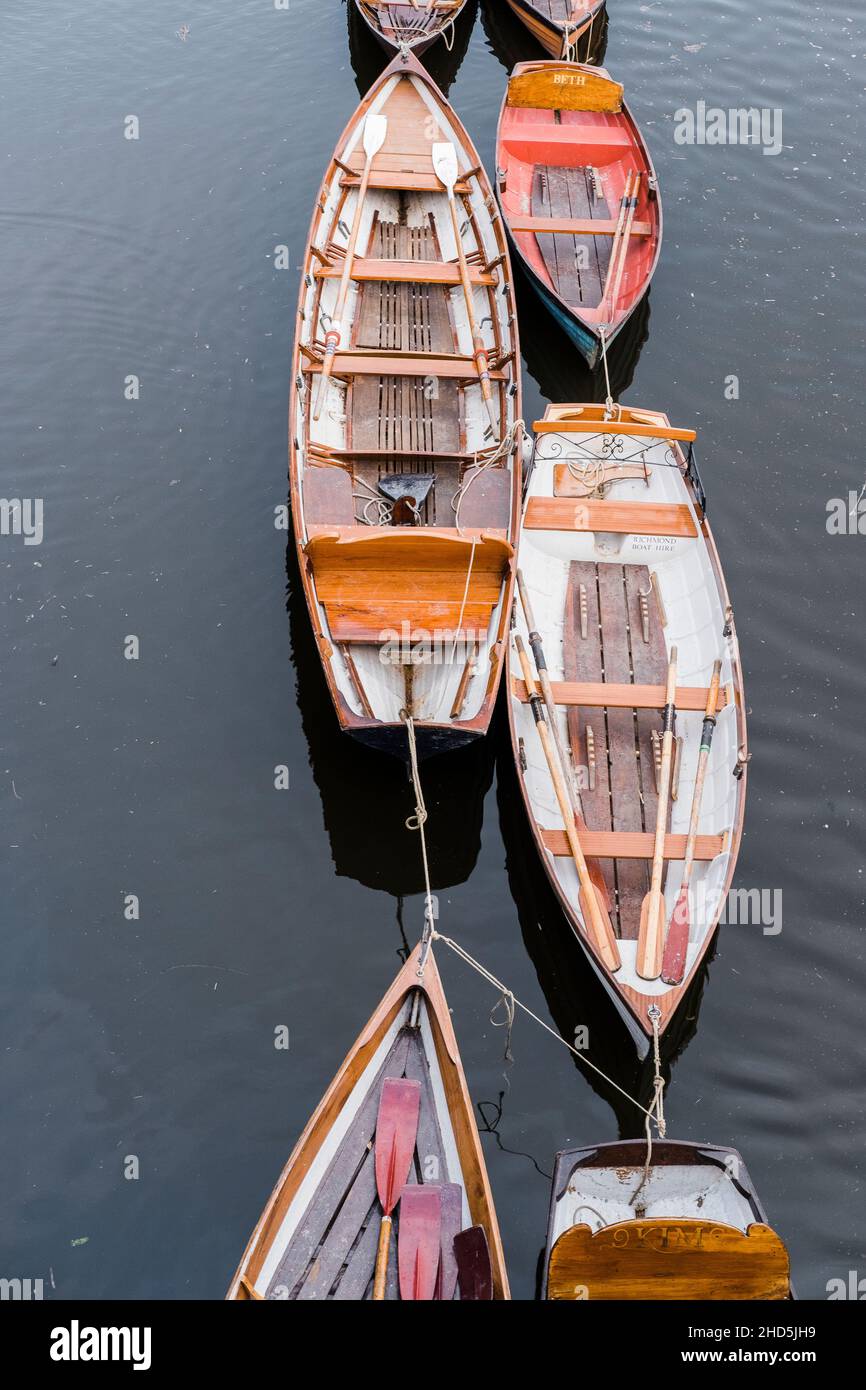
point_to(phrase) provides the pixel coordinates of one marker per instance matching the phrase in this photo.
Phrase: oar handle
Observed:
(677, 943)
(382, 1260)
(335, 332)
(597, 921)
(707, 731)
(478, 348)
(669, 718)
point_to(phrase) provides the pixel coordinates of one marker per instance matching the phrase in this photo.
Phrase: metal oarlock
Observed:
(644, 615)
(590, 756)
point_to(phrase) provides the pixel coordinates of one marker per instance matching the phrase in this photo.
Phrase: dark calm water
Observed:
(155, 257)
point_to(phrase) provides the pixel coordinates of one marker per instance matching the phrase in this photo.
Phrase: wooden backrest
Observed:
(564, 87)
(662, 1259)
(401, 550)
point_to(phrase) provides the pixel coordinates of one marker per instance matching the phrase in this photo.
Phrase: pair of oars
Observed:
(657, 955)
(375, 130)
(444, 157)
(432, 1252)
(621, 242)
(593, 890)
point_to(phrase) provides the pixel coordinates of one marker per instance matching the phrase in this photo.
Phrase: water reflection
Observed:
(367, 797)
(555, 364)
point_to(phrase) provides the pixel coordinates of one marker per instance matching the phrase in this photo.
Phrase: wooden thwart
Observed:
(410, 272)
(377, 364)
(669, 1259)
(632, 844)
(579, 226)
(608, 695)
(622, 518)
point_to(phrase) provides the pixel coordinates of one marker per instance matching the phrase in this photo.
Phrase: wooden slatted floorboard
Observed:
(624, 797)
(333, 1251)
(562, 192)
(404, 415)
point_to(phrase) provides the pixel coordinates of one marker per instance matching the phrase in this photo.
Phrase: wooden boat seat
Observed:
(632, 844)
(666, 1258)
(577, 226)
(621, 518)
(616, 695)
(373, 579)
(412, 364)
(546, 87)
(534, 144)
(404, 180)
(327, 491)
(410, 272)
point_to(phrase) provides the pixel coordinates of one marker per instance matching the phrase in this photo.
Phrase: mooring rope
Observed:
(656, 1112)
(510, 1001)
(612, 411)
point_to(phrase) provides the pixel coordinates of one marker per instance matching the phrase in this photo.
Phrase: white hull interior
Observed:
(694, 606)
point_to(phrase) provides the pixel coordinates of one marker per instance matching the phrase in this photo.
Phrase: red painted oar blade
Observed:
(451, 1197)
(677, 944)
(396, 1129)
(473, 1265)
(418, 1242)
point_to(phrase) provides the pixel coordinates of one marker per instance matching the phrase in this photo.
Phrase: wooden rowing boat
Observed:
(620, 567)
(564, 28)
(695, 1229)
(415, 24)
(404, 426)
(317, 1236)
(579, 196)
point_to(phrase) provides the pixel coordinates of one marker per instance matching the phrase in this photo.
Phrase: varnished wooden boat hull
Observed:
(316, 1238)
(418, 44)
(608, 570)
(551, 34)
(697, 1231)
(407, 617)
(577, 169)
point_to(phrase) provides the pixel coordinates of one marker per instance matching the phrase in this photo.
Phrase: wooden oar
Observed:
(418, 1242)
(594, 913)
(626, 243)
(677, 944)
(451, 1203)
(537, 646)
(474, 1270)
(651, 937)
(396, 1130)
(616, 242)
(445, 163)
(375, 129)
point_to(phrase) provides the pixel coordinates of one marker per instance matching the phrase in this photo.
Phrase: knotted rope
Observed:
(508, 999)
(656, 1112)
